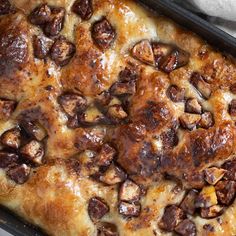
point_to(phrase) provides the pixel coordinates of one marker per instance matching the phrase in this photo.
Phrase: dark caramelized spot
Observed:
(198, 81)
(7, 107)
(7, 159)
(169, 138)
(83, 8)
(129, 209)
(143, 52)
(232, 108)
(175, 93)
(5, 7)
(11, 138)
(103, 33)
(212, 212)
(62, 51)
(136, 131)
(186, 228)
(175, 60)
(19, 173)
(41, 46)
(233, 88)
(225, 191)
(72, 103)
(188, 203)
(97, 208)
(160, 50)
(55, 25)
(172, 216)
(40, 15)
(189, 121)
(193, 106)
(207, 120)
(33, 151)
(107, 229)
(129, 191)
(105, 156)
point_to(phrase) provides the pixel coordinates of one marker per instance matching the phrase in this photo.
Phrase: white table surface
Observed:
(4, 233)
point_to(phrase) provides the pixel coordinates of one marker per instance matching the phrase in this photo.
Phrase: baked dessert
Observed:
(114, 121)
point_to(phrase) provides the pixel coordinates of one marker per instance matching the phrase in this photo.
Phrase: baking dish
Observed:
(213, 35)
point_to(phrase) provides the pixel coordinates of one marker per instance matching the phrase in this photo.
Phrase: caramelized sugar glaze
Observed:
(114, 121)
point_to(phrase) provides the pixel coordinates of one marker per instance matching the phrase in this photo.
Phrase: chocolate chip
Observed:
(175, 60)
(186, 228)
(11, 138)
(33, 151)
(62, 51)
(105, 156)
(55, 25)
(233, 88)
(72, 103)
(189, 121)
(33, 129)
(207, 120)
(83, 8)
(202, 87)
(232, 108)
(214, 174)
(143, 52)
(225, 191)
(107, 229)
(116, 113)
(129, 209)
(123, 88)
(7, 159)
(127, 75)
(19, 174)
(40, 15)
(7, 107)
(188, 203)
(193, 106)
(41, 46)
(5, 7)
(212, 212)
(230, 166)
(97, 208)
(113, 175)
(129, 191)
(206, 198)
(175, 93)
(103, 33)
(172, 216)
(136, 131)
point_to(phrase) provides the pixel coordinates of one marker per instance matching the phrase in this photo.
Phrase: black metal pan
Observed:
(213, 35)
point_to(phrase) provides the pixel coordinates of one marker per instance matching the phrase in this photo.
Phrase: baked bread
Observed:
(114, 121)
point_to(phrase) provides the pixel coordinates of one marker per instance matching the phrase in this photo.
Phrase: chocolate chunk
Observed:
(129, 209)
(127, 75)
(11, 138)
(189, 121)
(188, 203)
(113, 175)
(34, 130)
(97, 208)
(143, 52)
(105, 156)
(40, 15)
(55, 25)
(175, 93)
(233, 88)
(206, 198)
(225, 191)
(175, 60)
(123, 88)
(116, 113)
(103, 99)
(7, 107)
(212, 212)
(129, 191)
(230, 166)
(33, 151)
(107, 229)
(232, 108)
(41, 46)
(193, 106)
(136, 131)
(72, 103)
(214, 174)
(199, 83)
(19, 174)
(7, 159)
(83, 8)
(186, 228)
(103, 33)
(62, 51)
(5, 7)
(172, 216)
(207, 120)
